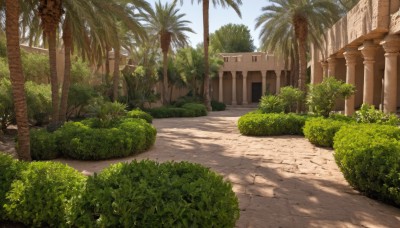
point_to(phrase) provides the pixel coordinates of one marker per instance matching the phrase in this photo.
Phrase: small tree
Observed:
(291, 97)
(322, 97)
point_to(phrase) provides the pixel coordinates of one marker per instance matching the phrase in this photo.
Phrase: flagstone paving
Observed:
(280, 181)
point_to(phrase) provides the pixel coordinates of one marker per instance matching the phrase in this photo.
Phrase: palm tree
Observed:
(167, 24)
(206, 40)
(308, 18)
(17, 78)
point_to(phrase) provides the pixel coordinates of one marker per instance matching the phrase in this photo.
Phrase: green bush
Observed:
(36, 67)
(187, 110)
(42, 195)
(82, 140)
(322, 97)
(291, 97)
(79, 98)
(256, 124)
(320, 131)
(43, 145)
(368, 114)
(9, 171)
(148, 194)
(218, 106)
(140, 115)
(38, 99)
(80, 72)
(106, 112)
(194, 110)
(369, 157)
(187, 99)
(271, 104)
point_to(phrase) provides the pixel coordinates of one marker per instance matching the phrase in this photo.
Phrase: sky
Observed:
(219, 16)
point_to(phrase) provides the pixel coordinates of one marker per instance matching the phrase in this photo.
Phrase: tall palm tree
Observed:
(167, 24)
(206, 40)
(17, 78)
(308, 18)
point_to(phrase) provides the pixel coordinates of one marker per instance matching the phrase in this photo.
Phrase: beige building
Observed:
(245, 77)
(362, 49)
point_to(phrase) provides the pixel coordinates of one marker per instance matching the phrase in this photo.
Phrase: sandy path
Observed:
(280, 181)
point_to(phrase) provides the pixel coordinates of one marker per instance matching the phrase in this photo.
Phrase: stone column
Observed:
(391, 45)
(264, 82)
(234, 101)
(368, 53)
(350, 55)
(324, 65)
(221, 87)
(331, 66)
(278, 81)
(244, 88)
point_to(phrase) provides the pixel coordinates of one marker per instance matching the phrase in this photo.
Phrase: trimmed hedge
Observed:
(320, 131)
(256, 124)
(43, 145)
(41, 195)
(369, 157)
(218, 106)
(139, 114)
(187, 110)
(148, 194)
(128, 137)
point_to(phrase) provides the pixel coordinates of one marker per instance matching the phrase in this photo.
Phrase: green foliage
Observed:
(260, 124)
(218, 106)
(87, 140)
(148, 194)
(79, 98)
(139, 114)
(38, 99)
(368, 114)
(42, 195)
(36, 67)
(187, 99)
(232, 38)
(369, 157)
(3, 46)
(194, 110)
(9, 171)
(322, 97)
(4, 71)
(291, 97)
(271, 104)
(43, 145)
(80, 72)
(187, 110)
(320, 131)
(7, 114)
(107, 112)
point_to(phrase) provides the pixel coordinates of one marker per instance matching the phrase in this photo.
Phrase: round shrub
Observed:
(80, 140)
(320, 131)
(42, 195)
(148, 194)
(9, 171)
(369, 157)
(139, 114)
(43, 145)
(166, 112)
(218, 106)
(194, 110)
(256, 124)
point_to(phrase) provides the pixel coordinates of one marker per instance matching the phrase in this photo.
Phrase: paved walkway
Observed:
(280, 181)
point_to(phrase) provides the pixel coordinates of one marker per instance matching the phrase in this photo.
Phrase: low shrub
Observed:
(42, 195)
(256, 124)
(271, 104)
(139, 114)
(368, 114)
(320, 131)
(187, 110)
(82, 140)
(194, 110)
(218, 106)
(187, 99)
(9, 171)
(291, 98)
(369, 157)
(148, 194)
(43, 145)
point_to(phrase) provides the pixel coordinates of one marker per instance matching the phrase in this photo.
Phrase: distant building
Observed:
(362, 49)
(245, 77)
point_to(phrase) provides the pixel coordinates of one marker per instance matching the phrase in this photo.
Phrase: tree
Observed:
(167, 24)
(232, 38)
(304, 20)
(17, 78)
(206, 7)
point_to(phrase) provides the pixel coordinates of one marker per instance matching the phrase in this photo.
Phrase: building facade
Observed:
(245, 77)
(362, 49)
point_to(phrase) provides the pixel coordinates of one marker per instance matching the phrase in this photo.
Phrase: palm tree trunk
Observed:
(17, 78)
(206, 6)
(302, 64)
(53, 74)
(116, 72)
(165, 78)
(107, 64)
(67, 70)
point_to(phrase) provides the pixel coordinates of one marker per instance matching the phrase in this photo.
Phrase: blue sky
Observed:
(219, 16)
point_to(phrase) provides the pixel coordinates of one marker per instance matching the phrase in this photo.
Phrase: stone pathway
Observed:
(280, 181)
